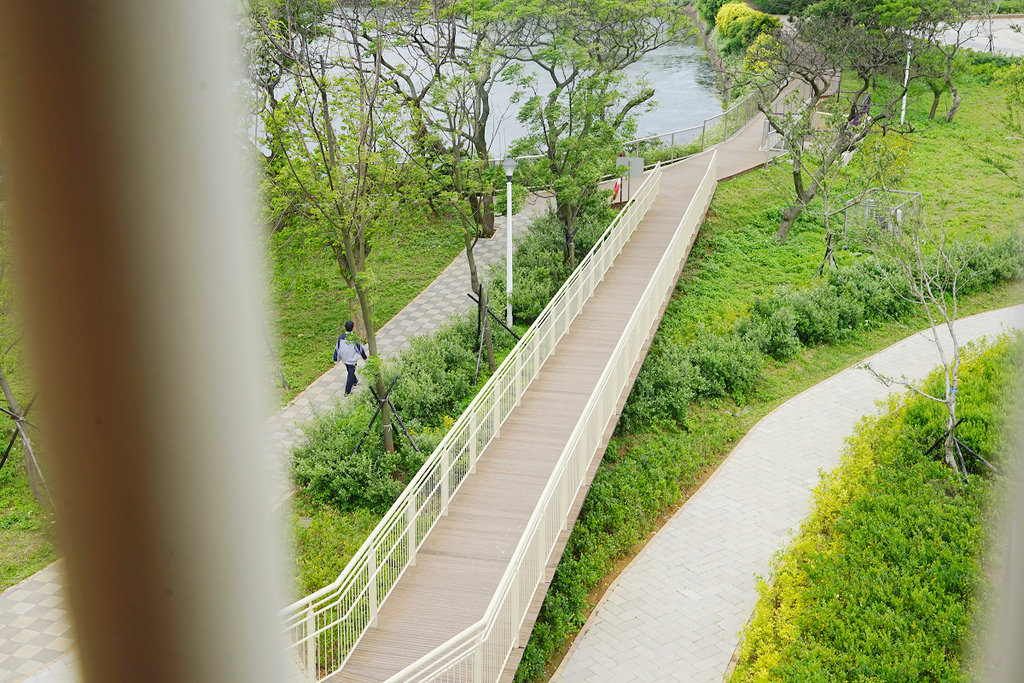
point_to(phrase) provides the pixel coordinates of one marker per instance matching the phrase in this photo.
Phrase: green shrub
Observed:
(663, 389)
(331, 470)
(753, 25)
(739, 25)
(326, 542)
(538, 264)
(708, 9)
(436, 373)
(771, 328)
(783, 6)
(875, 286)
(994, 263)
(726, 366)
(729, 15)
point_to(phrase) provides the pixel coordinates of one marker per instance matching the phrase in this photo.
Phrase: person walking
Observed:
(348, 350)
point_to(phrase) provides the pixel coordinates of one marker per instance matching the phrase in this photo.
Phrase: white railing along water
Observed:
(679, 144)
(323, 628)
(481, 651)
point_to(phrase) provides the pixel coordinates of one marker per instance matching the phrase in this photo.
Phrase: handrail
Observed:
(713, 130)
(480, 652)
(325, 626)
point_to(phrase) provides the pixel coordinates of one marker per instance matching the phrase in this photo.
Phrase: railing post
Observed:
(311, 667)
(519, 377)
(703, 129)
(446, 465)
(478, 663)
(515, 607)
(410, 522)
(371, 585)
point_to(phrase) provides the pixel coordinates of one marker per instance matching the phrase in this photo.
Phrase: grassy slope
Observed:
(735, 259)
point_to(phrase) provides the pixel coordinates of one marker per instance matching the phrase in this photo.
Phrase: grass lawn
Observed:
(309, 300)
(26, 528)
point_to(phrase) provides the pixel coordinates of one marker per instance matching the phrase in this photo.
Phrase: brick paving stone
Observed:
(754, 503)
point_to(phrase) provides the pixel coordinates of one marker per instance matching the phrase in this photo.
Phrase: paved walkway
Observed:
(36, 643)
(1003, 35)
(675, 613)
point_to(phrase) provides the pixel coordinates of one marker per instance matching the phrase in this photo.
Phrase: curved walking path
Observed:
(676, 611)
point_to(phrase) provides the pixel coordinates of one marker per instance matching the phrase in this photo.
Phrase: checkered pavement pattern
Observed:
(35, 630)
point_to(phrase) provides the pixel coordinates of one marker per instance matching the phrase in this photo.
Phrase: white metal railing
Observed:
(481, 651)
(323, 628)
(689, 141)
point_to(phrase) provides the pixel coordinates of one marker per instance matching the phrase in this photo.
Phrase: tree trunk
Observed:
(789, 217)
(366, 314)
(482, 206)
(36, 482)
(955, 104)
(566, 216)
(488, 342)
(935, 104)
(949, 447)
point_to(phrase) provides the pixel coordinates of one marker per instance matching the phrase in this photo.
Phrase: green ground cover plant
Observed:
(737, 280)
(880, 581)
(26, 528)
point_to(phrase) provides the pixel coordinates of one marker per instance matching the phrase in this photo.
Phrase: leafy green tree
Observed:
(442, 59)
(338, 131)
(276, 31)
(578, 103)
(837, 36)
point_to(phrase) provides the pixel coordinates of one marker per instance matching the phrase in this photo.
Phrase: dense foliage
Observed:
(879, 583)
(781, 324)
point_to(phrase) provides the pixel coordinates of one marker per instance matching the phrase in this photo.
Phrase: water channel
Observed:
(686, 91)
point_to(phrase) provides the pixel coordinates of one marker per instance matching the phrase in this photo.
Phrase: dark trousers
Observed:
(351, 381)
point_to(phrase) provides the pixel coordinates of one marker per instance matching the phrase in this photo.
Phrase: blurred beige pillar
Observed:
(135, 250)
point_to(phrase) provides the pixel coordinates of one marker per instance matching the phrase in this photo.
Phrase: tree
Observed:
(578, 102)
(14, 409)
(442, 60)
(928, 270)
(937, 57)
(273, 25)
(832, 37)
(335, 130)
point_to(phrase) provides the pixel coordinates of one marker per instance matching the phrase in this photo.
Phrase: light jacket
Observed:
(348, 351)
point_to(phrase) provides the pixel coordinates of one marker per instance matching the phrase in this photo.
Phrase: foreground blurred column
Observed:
(139, 281)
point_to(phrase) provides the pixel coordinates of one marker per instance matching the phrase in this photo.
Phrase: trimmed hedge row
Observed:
(880, 582)
(780, 325)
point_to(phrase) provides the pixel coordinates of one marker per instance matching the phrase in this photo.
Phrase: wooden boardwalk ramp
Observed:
(432, 624)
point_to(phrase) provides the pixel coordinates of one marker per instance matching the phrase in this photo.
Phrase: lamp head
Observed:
(509, 164)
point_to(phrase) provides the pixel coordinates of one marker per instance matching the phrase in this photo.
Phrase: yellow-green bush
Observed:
(739, 26)
(729, 14)
(879, 584)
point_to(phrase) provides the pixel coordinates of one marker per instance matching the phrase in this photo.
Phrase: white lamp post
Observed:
(509, 164)
(906, 79)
